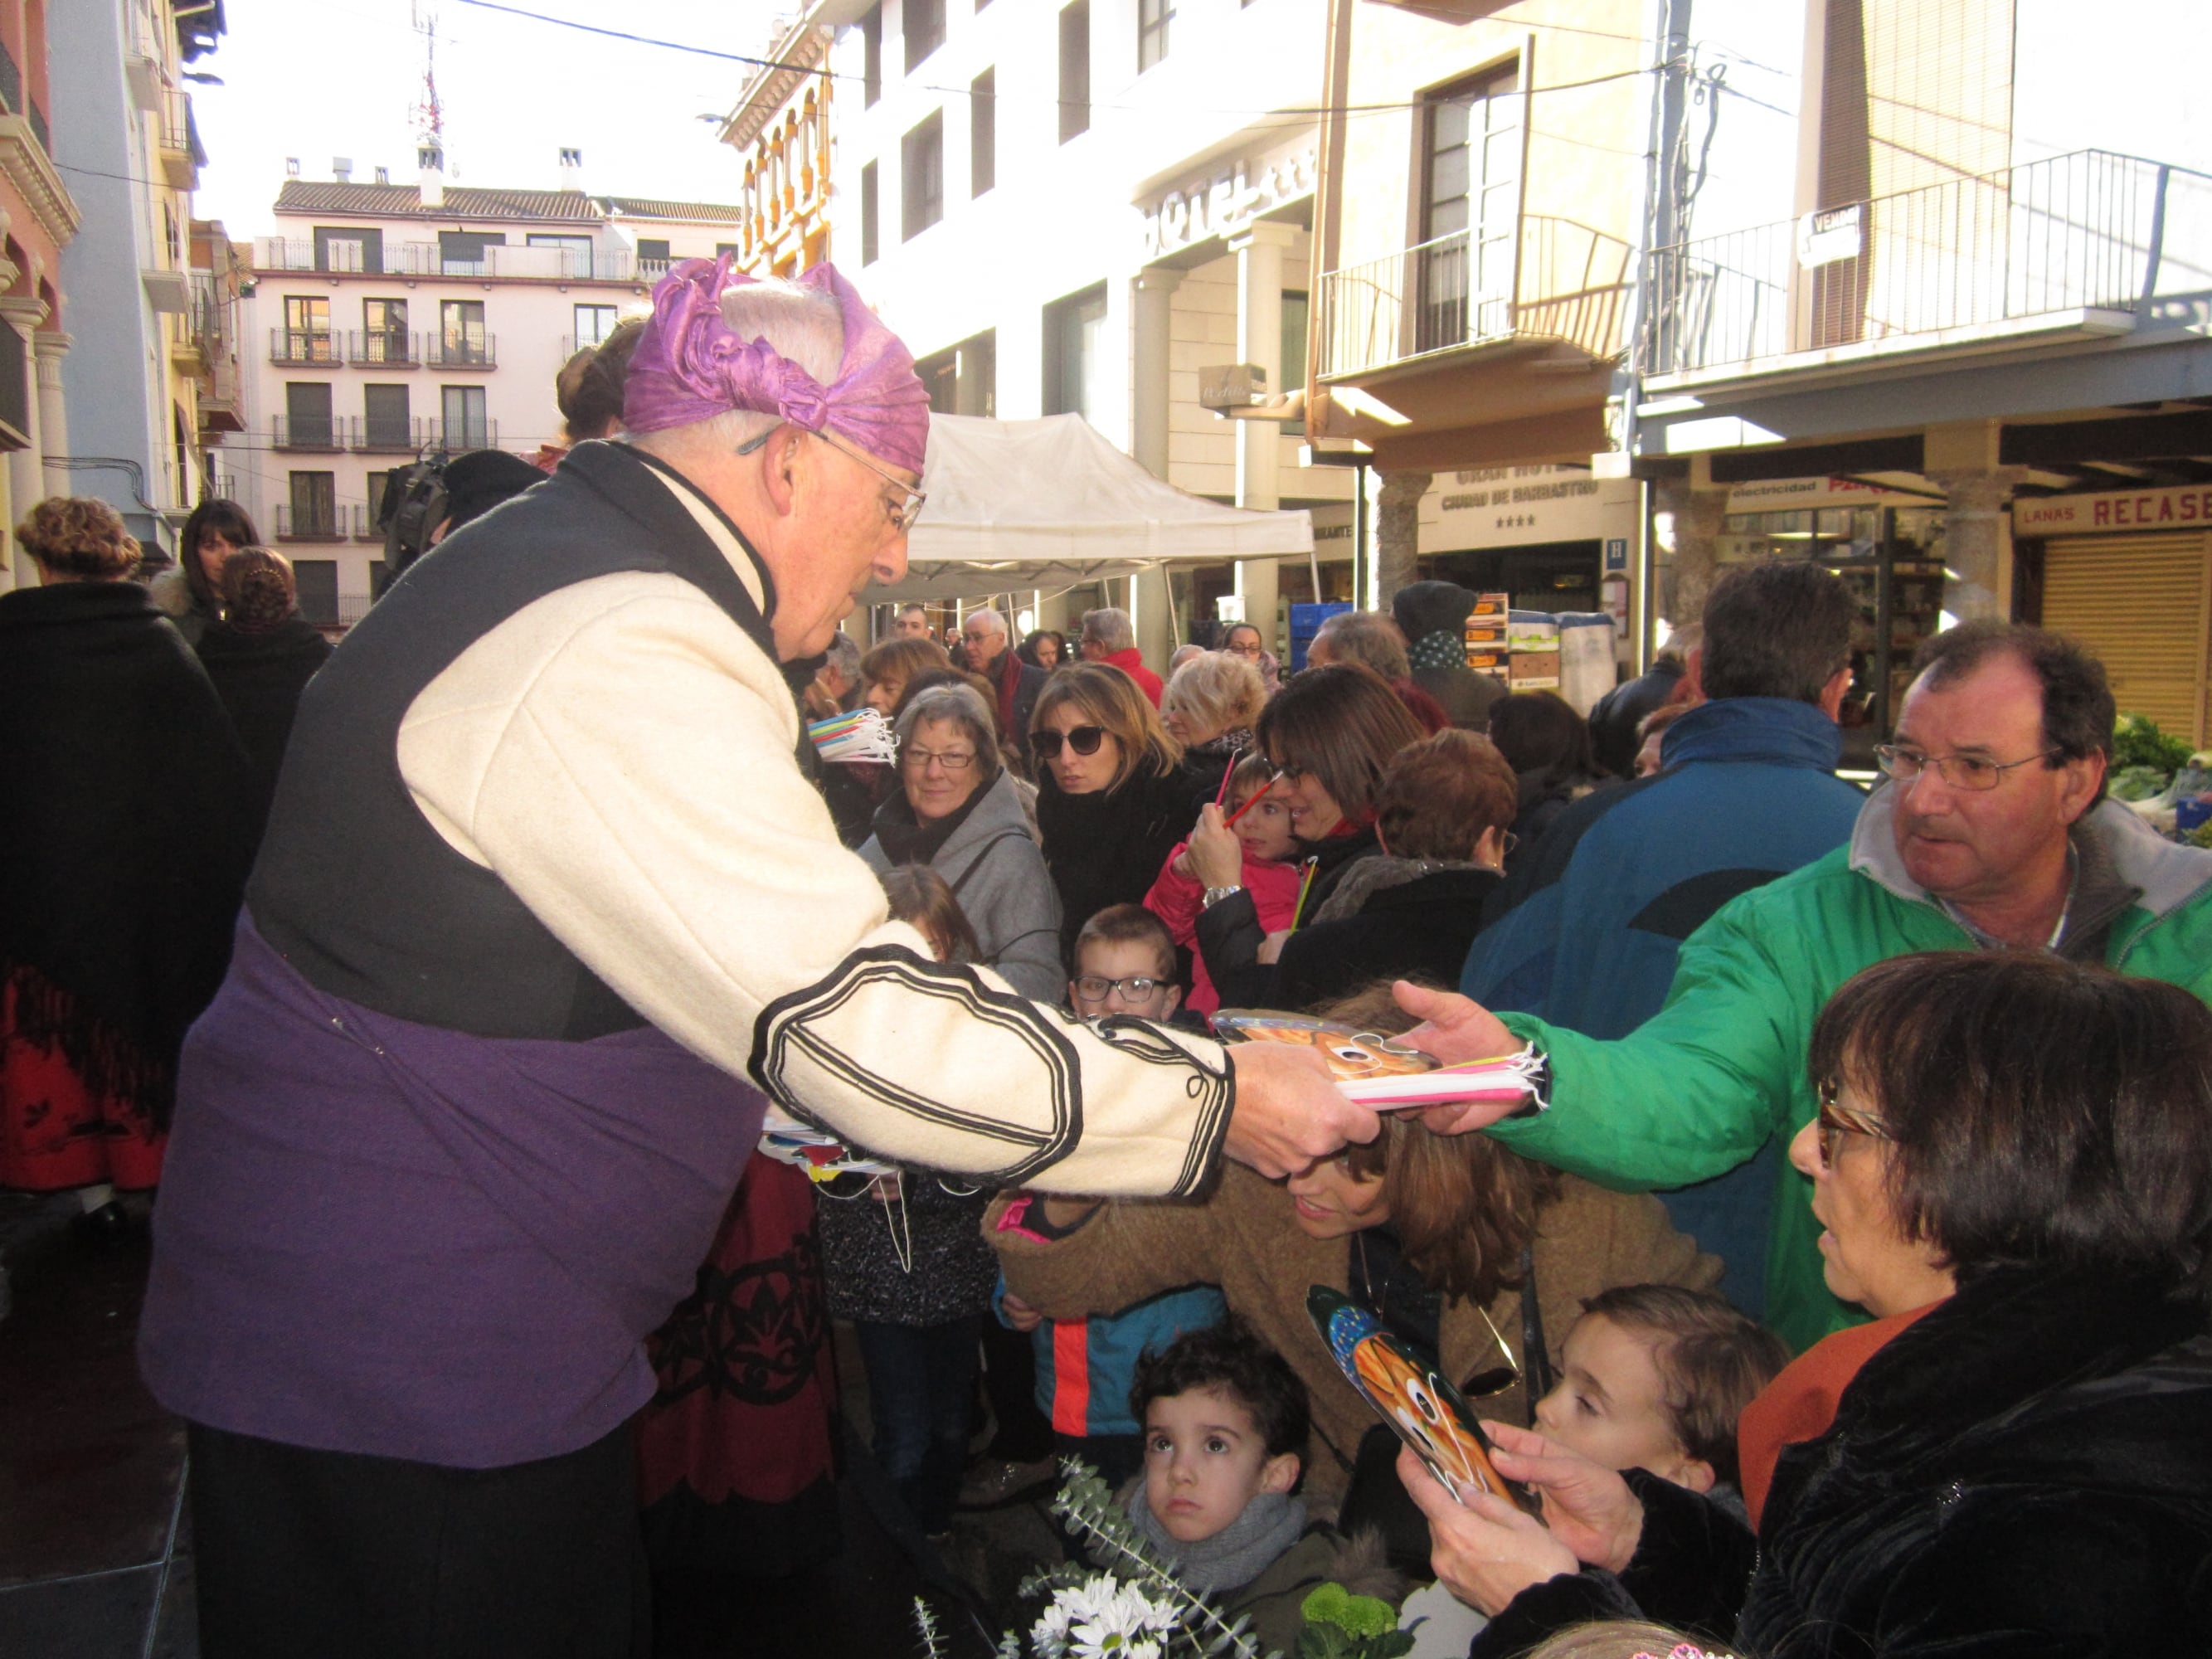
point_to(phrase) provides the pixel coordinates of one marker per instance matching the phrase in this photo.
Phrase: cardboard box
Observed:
(1487, 605)
(1486, 637)
(1533, 635)
(1534, 670)
(1488, 662)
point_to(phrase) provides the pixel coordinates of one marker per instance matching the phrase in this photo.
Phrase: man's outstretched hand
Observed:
(1457, 1029)
(1288, 1113)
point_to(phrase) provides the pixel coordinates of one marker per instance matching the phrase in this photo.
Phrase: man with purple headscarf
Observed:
(547, 913)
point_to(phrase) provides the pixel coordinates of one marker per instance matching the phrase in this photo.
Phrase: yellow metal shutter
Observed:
(2144, 603)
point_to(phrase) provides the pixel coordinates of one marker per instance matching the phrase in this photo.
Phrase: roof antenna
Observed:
(425, 112)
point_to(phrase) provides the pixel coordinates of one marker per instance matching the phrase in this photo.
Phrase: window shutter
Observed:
(2144, 603)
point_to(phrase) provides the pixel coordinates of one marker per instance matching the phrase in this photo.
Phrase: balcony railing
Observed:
(316, 522)
(564, 264)
(462, 351)
(180, 145)
(457, 435)
(321, 432)
(2086, 231)
(383, 349)
(386, 434)
(295, 346)
(1549, 279)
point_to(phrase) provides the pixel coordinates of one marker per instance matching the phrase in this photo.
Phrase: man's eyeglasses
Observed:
(901, 511)
(1083, 739)
(1836, 1119)
(954, 760)
(1097, 987)
(1959, 771)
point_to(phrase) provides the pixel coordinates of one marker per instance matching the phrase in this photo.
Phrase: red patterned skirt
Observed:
(74, 1094)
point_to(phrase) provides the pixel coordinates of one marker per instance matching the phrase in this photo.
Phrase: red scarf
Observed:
(1800, 1404)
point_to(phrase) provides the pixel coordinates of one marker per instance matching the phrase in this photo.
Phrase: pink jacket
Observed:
(1174, 900)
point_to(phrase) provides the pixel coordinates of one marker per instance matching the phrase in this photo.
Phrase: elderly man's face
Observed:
(1977, 846)
(985, 642)
(1094, 650)
(846, 527)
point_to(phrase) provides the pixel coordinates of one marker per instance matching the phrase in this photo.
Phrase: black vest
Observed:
(365, 900)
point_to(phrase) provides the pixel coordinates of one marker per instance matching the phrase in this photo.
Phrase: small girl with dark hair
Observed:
(261, 653)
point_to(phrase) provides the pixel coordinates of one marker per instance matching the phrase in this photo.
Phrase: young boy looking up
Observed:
(1654, 1377)
(1264, 833)
(1124, 965)
(1227, 1423)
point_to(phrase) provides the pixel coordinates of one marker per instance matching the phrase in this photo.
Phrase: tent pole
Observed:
(1175, 620)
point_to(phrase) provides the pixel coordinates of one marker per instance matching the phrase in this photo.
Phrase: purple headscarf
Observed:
(692, 366)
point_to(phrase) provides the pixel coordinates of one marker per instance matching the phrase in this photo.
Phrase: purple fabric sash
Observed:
(380, 1237)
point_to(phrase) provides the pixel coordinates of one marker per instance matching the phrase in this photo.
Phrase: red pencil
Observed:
(1230, 823)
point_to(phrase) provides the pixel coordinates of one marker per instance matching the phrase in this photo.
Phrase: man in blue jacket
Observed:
(1587, 933)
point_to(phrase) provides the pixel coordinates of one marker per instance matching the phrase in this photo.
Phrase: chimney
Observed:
(431, 158)
(291, 166)
(342, 168)
(572, 169)
(384, 175)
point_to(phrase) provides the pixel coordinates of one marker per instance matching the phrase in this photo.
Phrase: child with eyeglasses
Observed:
(1262, 828)
(1124, 965)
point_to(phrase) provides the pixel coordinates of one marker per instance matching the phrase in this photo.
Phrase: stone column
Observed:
(1398, 533)
(28, 482)
(1151, 331)
(53, 408)
(1977, 539)
(1259, 251)
(1695, 518)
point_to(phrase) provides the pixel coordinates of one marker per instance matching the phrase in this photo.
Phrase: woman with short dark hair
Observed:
(122, 855)
(190, 593)
(2013, 1160)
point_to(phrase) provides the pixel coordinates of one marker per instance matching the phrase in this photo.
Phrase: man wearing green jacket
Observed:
(1992, 834)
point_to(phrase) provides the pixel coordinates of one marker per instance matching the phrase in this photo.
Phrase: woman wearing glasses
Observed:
(1113, 797)
(2012, 1166)
(1438, 1236)
(958, 810)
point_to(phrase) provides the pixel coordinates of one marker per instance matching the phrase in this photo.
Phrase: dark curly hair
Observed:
(1231, 1358)
(79, 537)
(2078, 709)
(258, 590)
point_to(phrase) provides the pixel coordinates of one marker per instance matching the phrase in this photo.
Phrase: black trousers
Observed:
(342, 1556)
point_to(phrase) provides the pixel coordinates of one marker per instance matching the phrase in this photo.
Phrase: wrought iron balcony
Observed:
(378, 347)
(385, 434)
(325, 521)
(2045, 245)
(457, 435)
(1547, 280)
(461, 350)
(318, 347)
(321, 433)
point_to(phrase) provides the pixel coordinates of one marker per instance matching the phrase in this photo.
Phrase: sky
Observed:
(317, 79)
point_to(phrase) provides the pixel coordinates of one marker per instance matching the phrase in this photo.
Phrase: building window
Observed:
(576, 260)
(1075, 371)
(378, 483)
(921, 177)
(312, 514)
(386, 423)
(983, 133)
(1470, 211)
(653, 250)
(869, 245)
(1075, 69)
(593, 325)
(461, 331)
(963, 379)
(307, 337)
(730, 248)
(466, 427)
(316, 580)
(872, 56)
(1153, 17)
(461, 252)
(384, 331)
(307, 415)
(347, 248)
(923, 21)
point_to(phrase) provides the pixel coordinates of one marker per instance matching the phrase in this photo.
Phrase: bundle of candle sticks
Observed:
(863, 736)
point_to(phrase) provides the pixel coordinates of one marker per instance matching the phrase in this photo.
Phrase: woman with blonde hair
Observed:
(1112, 798)
(122, 855)
(1209, 707)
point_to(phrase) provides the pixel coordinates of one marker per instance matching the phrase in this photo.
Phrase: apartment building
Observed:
(38, 216)
(388, 321)
(1075, 207)
(131, 373)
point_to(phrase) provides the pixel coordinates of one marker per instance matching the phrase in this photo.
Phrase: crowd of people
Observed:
(1840, 1288)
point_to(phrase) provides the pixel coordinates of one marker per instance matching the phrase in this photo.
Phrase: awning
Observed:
(1015, 505)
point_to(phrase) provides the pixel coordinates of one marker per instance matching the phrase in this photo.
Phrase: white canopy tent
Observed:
(1049, 504)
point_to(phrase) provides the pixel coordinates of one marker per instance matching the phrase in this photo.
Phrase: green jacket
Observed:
(1698, 1087)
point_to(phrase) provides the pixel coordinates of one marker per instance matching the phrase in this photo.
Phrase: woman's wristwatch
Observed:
(1215, 895)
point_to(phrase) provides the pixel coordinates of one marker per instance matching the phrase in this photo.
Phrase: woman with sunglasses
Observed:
(1113, 797)
(960, 812)
(2013, 1164)
(1438, 1236)
(1330, 735)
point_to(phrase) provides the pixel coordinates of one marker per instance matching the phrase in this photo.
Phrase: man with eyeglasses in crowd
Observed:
(546, 907)
(1993, 832)
(1014, 684)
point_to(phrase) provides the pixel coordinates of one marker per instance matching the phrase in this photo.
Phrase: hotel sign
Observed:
(1227, 201)
(2185, 507)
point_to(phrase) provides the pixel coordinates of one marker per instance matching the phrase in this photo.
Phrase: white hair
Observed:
(845, 656)
(1109, 627)
(804, 325)
(990, 619)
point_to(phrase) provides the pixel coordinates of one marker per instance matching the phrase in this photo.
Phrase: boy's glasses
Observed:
(1836, 1119)
(1083, 739)
(1097, 987)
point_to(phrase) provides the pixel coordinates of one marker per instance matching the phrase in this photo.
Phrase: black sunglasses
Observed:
(1083, 739)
